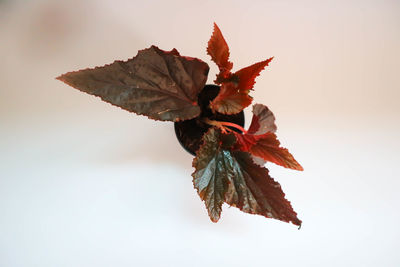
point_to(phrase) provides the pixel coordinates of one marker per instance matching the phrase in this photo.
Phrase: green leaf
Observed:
(211, 171)
(222, 175)
(159, 84)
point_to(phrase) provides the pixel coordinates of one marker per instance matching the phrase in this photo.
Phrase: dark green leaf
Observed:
(211, 171)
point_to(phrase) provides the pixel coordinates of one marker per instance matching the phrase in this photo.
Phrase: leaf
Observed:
(229, 100)
(252, 190)
(244, 141)
(210, 173)
(219, 51)
(261, 141)
(246, 76)
(159, 84)
(235, 87)
(268, 148)
(263, 120)
(222, 175)
(234, 94)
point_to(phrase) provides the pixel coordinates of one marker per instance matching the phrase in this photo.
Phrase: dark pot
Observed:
(190, 132)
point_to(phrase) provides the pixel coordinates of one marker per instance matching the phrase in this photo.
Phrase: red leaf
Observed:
(229, 100)
(247, 76)
(268, 148)
(244, 141)
(233, 96)
(159, 84)
(261, 141)
(219, 51)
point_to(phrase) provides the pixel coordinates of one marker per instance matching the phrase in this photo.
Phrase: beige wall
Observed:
(79, 180)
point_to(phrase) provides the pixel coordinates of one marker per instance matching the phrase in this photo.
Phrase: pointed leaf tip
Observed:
(261, 194)
(247, 76)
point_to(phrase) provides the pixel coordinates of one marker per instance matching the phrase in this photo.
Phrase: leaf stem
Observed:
(223, 125)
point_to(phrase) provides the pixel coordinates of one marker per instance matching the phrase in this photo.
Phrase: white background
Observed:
(83, 183)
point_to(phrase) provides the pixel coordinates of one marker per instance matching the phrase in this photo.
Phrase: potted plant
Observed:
(209, 120)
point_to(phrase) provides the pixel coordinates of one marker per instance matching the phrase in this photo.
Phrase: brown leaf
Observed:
(159, 84)
(263, 120)
(252, 190)
(222, 175)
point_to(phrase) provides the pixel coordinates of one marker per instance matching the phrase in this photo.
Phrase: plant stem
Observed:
(223, 125)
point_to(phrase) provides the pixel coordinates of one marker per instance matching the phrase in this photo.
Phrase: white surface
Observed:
(83, 183)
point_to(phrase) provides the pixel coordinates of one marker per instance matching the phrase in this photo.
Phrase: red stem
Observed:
(222, 124)
(231, 124)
